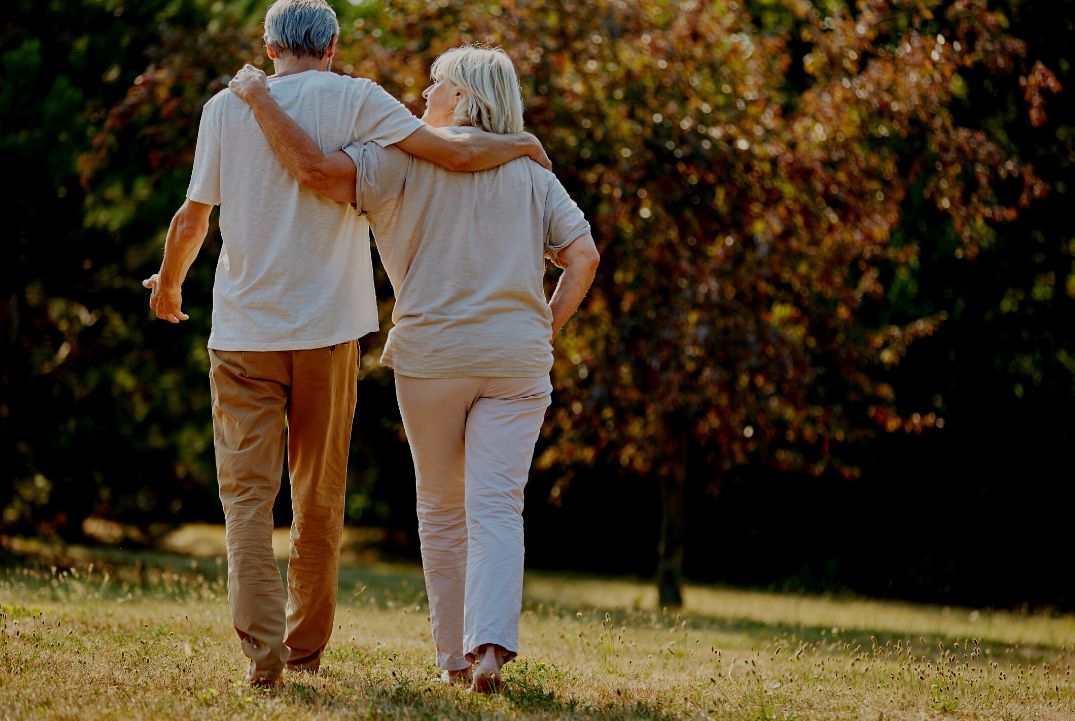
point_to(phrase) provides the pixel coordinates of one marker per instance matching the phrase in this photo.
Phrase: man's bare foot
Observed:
(462, 675)
(487, 672)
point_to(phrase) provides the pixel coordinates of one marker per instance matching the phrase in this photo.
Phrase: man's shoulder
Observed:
(333, 89)
(218, 101)
(336, 81)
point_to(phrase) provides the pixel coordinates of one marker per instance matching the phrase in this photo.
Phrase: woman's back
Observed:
(465, 255)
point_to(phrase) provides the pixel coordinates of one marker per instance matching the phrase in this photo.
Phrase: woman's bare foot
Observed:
(487, 672)
(462, 675)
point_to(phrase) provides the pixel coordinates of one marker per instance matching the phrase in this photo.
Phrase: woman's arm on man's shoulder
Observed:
(471, 152)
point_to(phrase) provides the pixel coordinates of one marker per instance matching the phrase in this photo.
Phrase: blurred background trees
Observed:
(102, 413)
(832, 334)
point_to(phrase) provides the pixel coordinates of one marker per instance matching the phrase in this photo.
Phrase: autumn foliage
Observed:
(748, 168)
(745, 188)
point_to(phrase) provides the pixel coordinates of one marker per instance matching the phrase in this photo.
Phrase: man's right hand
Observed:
(166, 303)
(249, 81)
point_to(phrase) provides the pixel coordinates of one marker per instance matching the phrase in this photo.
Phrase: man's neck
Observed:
(291, 65)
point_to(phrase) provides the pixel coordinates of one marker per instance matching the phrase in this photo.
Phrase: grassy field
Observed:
(93, 634)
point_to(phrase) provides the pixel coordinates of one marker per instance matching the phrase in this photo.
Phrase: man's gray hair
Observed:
(303, 28)
(493, 99)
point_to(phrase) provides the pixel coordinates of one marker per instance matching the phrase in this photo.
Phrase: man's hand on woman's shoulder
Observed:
(247, 81)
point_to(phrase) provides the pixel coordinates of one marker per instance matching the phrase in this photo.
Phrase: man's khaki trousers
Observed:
(262, 402)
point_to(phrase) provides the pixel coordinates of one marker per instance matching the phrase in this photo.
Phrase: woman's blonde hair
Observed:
(493, 100)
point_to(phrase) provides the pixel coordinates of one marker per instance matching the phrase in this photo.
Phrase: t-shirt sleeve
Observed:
(564, 222)
(380, 175)
(381, 118)
(205, 177)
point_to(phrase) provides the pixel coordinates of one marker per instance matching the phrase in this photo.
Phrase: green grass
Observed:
(91, 634)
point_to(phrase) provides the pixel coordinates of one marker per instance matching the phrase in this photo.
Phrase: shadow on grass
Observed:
(109, 572)
(848, 642)
(116, 572)
(384, 693)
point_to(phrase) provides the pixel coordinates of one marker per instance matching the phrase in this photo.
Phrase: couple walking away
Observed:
(465, 213)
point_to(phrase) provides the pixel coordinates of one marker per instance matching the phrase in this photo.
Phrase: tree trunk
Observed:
(673, 532)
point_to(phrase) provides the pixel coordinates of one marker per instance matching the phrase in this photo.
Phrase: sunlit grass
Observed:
(91, 634)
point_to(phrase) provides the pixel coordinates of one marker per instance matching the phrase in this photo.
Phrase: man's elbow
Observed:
(310, 177)
(190, 229)
(319, 183)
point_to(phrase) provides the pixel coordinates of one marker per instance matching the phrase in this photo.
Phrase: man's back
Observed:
(295, 270)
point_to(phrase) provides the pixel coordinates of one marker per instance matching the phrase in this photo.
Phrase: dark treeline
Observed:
(833, 337)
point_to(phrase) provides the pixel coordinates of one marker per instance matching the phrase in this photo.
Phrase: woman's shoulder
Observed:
(544, 180)
(372, 154)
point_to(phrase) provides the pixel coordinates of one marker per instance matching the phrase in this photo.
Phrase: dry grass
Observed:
(95, 635)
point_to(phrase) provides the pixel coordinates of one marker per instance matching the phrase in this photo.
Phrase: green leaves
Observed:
(770, 184)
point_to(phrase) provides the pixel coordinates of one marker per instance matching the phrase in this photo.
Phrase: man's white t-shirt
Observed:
(295, 271)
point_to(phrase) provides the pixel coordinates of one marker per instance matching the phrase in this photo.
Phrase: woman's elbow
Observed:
(459, 159)
(587, 257)
(593, 257)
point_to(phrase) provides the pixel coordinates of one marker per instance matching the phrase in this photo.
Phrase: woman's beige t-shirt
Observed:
(465, 253)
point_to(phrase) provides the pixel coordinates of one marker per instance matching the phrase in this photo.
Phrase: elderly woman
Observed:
(472, 342)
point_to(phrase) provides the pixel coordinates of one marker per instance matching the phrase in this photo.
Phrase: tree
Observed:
(747, 188)
(103, 413)
(769, 182)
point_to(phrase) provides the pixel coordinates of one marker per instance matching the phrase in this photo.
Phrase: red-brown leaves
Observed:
(1034, 83)
(747, 189)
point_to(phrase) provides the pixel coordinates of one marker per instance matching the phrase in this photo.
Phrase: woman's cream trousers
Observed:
(472, 440)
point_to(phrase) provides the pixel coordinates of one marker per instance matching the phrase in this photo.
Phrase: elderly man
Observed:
(293, 293)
